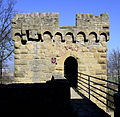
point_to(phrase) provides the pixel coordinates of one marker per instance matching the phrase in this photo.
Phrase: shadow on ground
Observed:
(44, 99)
(51, 99)
(83, 107)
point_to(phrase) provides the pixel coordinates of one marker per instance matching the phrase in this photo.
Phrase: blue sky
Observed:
(67, 10)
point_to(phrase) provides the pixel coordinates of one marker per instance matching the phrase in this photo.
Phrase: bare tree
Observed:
(6, 43)
(114, 63)
(113, 72)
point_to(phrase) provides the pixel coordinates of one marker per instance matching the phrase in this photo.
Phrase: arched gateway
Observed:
(71, 70)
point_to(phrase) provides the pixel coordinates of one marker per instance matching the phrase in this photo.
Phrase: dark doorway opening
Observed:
(71, 71)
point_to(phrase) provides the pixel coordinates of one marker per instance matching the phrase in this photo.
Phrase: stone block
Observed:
(17, 68)
(24, 56)
(24, 51)
(33, 34)
(104, 72)
(92, 73)
(59, 68)
(23, 62)
(102, 61)
(93, 50)
(22, 80)
(104, 67)
(100, 50)
(30, 46)
(19, 74)
(79, 61)
(17, 51)
(104, 44)
(106, 26)
(99, 72)
(51, 68)
(23, 32)
(17, 38)
(17, 44)
(104, 77)
(45, 68)
(23, 47)
(20, 62)
(82, 68)
(17, 56)
(49, 46)
(85, 49)
(103, 55)
(96, 66)
(96, 55)
(24, 38)
(29, 74)
(27, 56)
(17, 62)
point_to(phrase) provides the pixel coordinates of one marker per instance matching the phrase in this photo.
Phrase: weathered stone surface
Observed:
(85, 49)
(101, 49)
(20, 62)
(82, 68)
(104, 67)
(16, 38)
(24, 51)
(93, 50)
(103, 55)
(97, 55)
(104, 44)
(17, 44)
(28, 57)
(99, 73)
(17, 56)
(24, 38)
(102, 61)
(19, 74)
(17, 51)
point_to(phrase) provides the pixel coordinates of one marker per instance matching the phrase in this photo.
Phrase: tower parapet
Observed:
(91, 21)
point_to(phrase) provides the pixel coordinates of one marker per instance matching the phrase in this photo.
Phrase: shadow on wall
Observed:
(49, 98)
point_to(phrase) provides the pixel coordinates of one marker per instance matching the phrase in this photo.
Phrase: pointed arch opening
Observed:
(71, 71)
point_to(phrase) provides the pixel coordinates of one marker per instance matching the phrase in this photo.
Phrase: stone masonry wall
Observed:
(38, 38)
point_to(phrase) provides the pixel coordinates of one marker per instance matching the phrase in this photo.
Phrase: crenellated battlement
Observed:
(35, 25)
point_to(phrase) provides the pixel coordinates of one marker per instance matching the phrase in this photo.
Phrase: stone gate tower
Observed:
(42, 48)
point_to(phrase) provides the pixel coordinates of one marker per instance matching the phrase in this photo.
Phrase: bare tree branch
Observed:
(6, 43)
(7, 55)
(114, 63)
